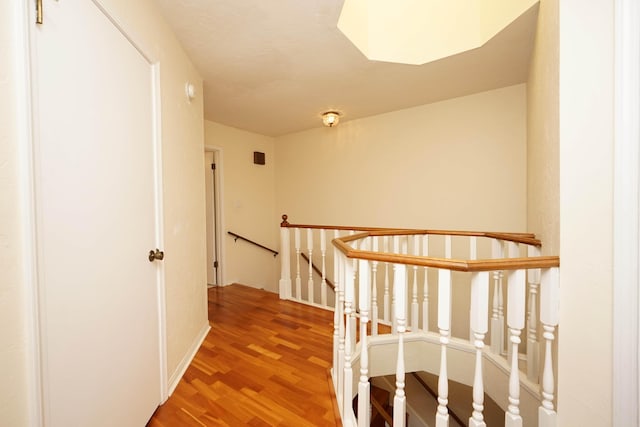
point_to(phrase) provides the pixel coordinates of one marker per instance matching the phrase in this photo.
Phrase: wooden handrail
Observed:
(526, 238)
(329, 282)
(237, 236)
(445, 263)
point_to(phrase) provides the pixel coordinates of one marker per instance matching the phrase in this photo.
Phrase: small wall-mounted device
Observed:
(190, 91)
(258, 158)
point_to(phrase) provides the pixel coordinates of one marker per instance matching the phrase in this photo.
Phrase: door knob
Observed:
(156, 255)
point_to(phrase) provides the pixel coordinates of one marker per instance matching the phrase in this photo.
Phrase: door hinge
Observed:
(215, 264)
(213, 166)
(39, 12)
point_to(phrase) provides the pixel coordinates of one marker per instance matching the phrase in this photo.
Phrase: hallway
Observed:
(265, 362)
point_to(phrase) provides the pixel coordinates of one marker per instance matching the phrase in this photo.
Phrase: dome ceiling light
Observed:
(420, 31)
(330, 118)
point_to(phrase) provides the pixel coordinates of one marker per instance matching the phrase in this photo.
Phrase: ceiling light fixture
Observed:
(331, 118)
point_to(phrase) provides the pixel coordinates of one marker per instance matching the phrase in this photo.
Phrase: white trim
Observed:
(211, 234)
(626, 236)
(128, 32)
(220, 204)
(159, 227)
(24, 109)
(187, 359)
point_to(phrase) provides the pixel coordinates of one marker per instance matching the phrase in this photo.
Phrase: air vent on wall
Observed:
(258, 158)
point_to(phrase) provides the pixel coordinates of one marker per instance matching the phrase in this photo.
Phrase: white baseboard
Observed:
(186, 360)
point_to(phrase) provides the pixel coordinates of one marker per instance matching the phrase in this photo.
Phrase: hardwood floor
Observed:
(265, 362)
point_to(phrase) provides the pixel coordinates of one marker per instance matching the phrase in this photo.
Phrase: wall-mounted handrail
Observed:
(317, 270)
(237, 236)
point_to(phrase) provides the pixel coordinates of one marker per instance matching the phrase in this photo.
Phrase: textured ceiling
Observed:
(273, 67)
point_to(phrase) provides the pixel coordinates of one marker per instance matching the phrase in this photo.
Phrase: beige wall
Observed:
(182, 136)
(465, 158)
(248, 205)
(586, 171)
(456, 164)
(13, 322)
(543, 188)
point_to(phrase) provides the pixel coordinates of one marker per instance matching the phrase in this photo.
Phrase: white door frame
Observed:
(626, 221)
(214, 259)
(28, 121)
(24, 109)
(219, 198)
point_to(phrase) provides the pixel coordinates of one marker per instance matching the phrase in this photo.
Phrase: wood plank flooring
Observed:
(264, 363)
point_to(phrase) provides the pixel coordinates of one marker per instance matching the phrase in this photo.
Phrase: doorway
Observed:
(212, 167)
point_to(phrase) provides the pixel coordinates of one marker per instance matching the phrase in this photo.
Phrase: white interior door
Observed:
(94, 160)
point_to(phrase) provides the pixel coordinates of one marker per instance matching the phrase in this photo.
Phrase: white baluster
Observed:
(385, 301)
(354, 312)
(503, 342)
(425, 288)
(284, 286)
(479, 326)
(404, 243)
(549, 302)
(342, 330)
(337, 313)
(444, 326)
(310, 290)
(296, 234)
(374, 290)
(394, 322)
(447, 246)
(473, 255)
(497, 325)
(495, 320)
(506, 348)
(473, 247)
(348, 309)
(515, 320)
(415, 313)
(323, 253)
(513, 251)
(533, 346)
(399, 291)
(363, 386)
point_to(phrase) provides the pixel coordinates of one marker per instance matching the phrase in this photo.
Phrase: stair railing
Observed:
(503, 271)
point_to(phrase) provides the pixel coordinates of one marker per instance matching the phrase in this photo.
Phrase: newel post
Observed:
(285, 260)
